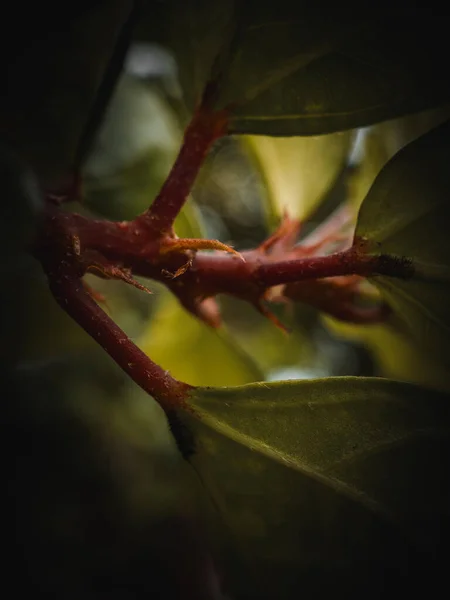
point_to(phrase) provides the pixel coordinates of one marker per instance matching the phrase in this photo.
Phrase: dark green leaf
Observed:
(51, 84)
(326, 482)
(287, 68)
(406, 214)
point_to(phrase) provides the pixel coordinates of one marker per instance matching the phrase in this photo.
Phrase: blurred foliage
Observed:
(298, 171)
(133, 152)
(396, 355)
(173, 333)
(51, 74)
(403, 215)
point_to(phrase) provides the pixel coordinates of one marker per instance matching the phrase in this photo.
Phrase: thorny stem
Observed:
(71, 295)
(216, 273)
(69, 245)
(349, 262)
(204, 129)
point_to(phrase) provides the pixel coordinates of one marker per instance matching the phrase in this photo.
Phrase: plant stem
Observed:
(348, 262)
(211, 274)
(204, 129)
(71, 295)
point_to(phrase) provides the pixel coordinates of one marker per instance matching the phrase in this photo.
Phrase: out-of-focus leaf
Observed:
(395, 354)
(133, 153)
(96, 486)
(298, 171)
(194, 352)
(21, 205)
(405, 214)
(324, 484)
(132, 156)
(189, 222)
(271, 347)
(229, 191)
(291, 69)
(51, 82)
(374, 146)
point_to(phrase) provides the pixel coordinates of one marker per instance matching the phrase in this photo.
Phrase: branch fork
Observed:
(326, 269)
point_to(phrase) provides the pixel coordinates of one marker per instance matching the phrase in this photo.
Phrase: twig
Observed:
(72, 296)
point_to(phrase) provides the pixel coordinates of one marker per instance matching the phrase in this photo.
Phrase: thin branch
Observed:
(72, 296)
(208, 274)
(204, 129)
(348, 262)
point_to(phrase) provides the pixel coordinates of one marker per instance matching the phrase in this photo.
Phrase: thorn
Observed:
(271, 316)
(97, 296)
(175, 245)
(285, 235)
(179, 271)
(330, 231)
(112, 272)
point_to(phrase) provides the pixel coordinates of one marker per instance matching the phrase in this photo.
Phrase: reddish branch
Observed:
(205, 128)
(63, 274)
(70, 245)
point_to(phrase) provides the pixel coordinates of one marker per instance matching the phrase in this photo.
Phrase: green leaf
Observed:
(324, 482)
(133, 153)
(132, 156)
(395, 354)
(193, 351)
(405, 214)
(298, 171)
(52, 82)
(287, 68)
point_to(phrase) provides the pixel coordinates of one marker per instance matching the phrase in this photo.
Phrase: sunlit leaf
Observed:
(298, 171)
(286, 68)
(406, 214)
(194, 352)
(323, 483)
(394, 353)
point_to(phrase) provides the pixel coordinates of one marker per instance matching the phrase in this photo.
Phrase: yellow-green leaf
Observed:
(323, 483)
(406, 214)
(298, 171)
(194, 352)
(395, 354)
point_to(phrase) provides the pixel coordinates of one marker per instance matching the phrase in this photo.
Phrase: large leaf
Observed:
(325, 485)
(287, 68)
(51, 77)
(405, 214)
(298, 171)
